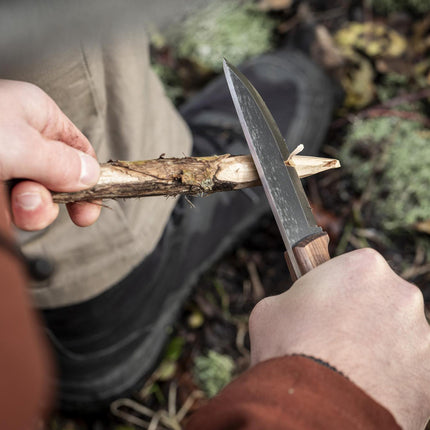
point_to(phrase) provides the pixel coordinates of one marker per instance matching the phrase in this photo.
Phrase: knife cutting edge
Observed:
(306, 243)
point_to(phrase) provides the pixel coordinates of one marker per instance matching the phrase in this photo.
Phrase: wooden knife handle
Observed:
(309, 253)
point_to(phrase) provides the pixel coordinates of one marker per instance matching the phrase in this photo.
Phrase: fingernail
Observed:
(28, 201)
(90, 170)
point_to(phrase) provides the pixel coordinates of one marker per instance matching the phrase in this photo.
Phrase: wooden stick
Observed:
(188, 175)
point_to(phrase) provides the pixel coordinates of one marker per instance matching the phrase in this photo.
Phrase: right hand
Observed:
(39, 143)
(356, 314)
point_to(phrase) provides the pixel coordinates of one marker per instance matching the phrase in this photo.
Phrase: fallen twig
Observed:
(131, 411)
(385, 109)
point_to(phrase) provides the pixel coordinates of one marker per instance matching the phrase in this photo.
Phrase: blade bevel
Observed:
(268, 148)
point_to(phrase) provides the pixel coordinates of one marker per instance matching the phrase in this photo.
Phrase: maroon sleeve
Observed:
(24, 360)
(292, 392)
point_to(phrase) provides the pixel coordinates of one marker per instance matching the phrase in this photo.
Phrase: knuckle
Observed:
(414, 298)
(368, 262)
(37, 91)
(370, 258)
(51, 121)
(65, 166)
(258, 314)
(40, 109)
(374, 269)
(32, 92)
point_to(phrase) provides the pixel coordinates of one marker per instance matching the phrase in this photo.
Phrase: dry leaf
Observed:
(374, 39)
(423, 227)
(324, 50)
(357, 81)
(275, 4)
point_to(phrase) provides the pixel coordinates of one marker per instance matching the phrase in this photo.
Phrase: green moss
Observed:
(390, 85)
(213, 372)
(388, 6)
(390, 159)
(174, 348)
(393, 85)
(224, 29)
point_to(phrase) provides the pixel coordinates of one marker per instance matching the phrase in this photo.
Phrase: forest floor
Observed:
(379, 198)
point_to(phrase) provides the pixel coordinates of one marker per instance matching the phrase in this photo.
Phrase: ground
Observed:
(380, 57)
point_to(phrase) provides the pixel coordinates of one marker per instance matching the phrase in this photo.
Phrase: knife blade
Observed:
(305, 242)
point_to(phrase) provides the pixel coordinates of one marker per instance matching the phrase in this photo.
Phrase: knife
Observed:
(305, 242)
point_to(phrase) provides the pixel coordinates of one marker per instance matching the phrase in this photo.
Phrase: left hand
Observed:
(39, 143)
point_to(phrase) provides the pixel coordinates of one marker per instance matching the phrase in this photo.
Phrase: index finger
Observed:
(45, 116)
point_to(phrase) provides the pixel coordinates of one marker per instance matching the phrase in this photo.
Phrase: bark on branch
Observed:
(188, 175)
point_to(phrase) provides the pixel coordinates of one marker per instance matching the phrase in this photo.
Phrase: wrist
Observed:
(319, 361)
(391, 391)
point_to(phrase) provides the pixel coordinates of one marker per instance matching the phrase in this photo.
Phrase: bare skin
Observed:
(355, 313)
(39, 143)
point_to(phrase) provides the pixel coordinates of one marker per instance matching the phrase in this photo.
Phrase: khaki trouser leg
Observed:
(109, 91)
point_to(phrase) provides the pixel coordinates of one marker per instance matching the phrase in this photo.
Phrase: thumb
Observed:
(56, 165)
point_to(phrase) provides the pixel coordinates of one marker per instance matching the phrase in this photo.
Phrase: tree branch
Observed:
(188, 175)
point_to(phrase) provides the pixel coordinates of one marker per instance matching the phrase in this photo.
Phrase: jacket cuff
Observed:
(292, 392)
